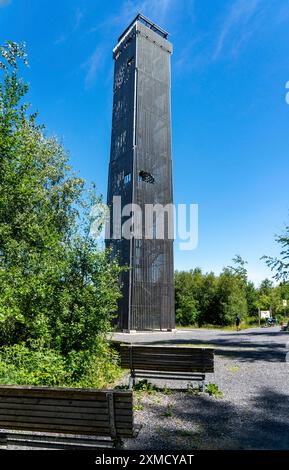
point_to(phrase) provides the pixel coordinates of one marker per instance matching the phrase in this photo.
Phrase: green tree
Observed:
(230, 298)
(284, 293)
(239, 268)
(58, 289)
(265, 287)
(187, 311)
(280, 265)
(252, 299)
(207, 299)
(270, 297)
(195, 294)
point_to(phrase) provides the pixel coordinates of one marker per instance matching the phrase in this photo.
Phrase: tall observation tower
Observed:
(140, 172)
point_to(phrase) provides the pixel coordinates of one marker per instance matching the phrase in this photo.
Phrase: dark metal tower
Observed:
(141, 171)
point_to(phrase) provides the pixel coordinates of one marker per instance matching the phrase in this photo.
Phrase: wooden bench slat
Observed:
(55, 445)
(63, 402)
(167, 357)
(58, 423)
(169, 376)
(83, 430)
(93, 417)
(39, 411)
(167, 367)
(166, 349)
(53, 437)
(174, 369)
(39, 416)
(59, 390)
(64, 409)
(55, 421)
(161, 362)
(85, 395)
(181, 366)
(159, 358)
(53, 414)
(53, 403)
(98, 411)
(177, 368)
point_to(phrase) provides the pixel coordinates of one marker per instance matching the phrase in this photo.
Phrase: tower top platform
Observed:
(148, 23)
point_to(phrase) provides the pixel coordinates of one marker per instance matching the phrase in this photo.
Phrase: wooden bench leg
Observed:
(3, 439)
(202, 385)
(131, 382)
(118, 443)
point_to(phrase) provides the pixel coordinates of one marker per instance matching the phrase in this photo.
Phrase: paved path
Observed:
(248, 345)
(251, 371)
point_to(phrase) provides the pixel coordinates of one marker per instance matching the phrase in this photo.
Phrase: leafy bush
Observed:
(58, 288)
(97, 368)
(21, 365)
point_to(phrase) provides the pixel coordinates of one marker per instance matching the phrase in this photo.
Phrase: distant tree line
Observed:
(205, 298)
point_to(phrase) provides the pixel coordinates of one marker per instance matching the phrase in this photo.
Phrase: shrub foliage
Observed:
(58, 288)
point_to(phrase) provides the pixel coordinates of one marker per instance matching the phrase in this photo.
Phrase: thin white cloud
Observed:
(92, 65)
(283, 14)
(4, 3)
(238, 18)
(156, 10)
(239, 24)
(78, 16)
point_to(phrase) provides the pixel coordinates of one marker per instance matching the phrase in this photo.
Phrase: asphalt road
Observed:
(249, 345)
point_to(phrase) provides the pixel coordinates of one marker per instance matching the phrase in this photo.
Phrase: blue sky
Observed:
(230, 118)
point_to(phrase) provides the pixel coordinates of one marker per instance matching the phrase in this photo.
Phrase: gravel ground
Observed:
(251, 372)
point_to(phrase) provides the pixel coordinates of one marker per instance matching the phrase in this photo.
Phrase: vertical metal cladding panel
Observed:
(152, 286)
(121, 159)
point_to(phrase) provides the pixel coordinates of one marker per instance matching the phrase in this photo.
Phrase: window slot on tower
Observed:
(127, 178)
(145, 176)
(130, 61)
(127, 42)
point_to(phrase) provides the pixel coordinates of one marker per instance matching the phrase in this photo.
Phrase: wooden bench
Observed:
(69, 417)
(166, 362)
